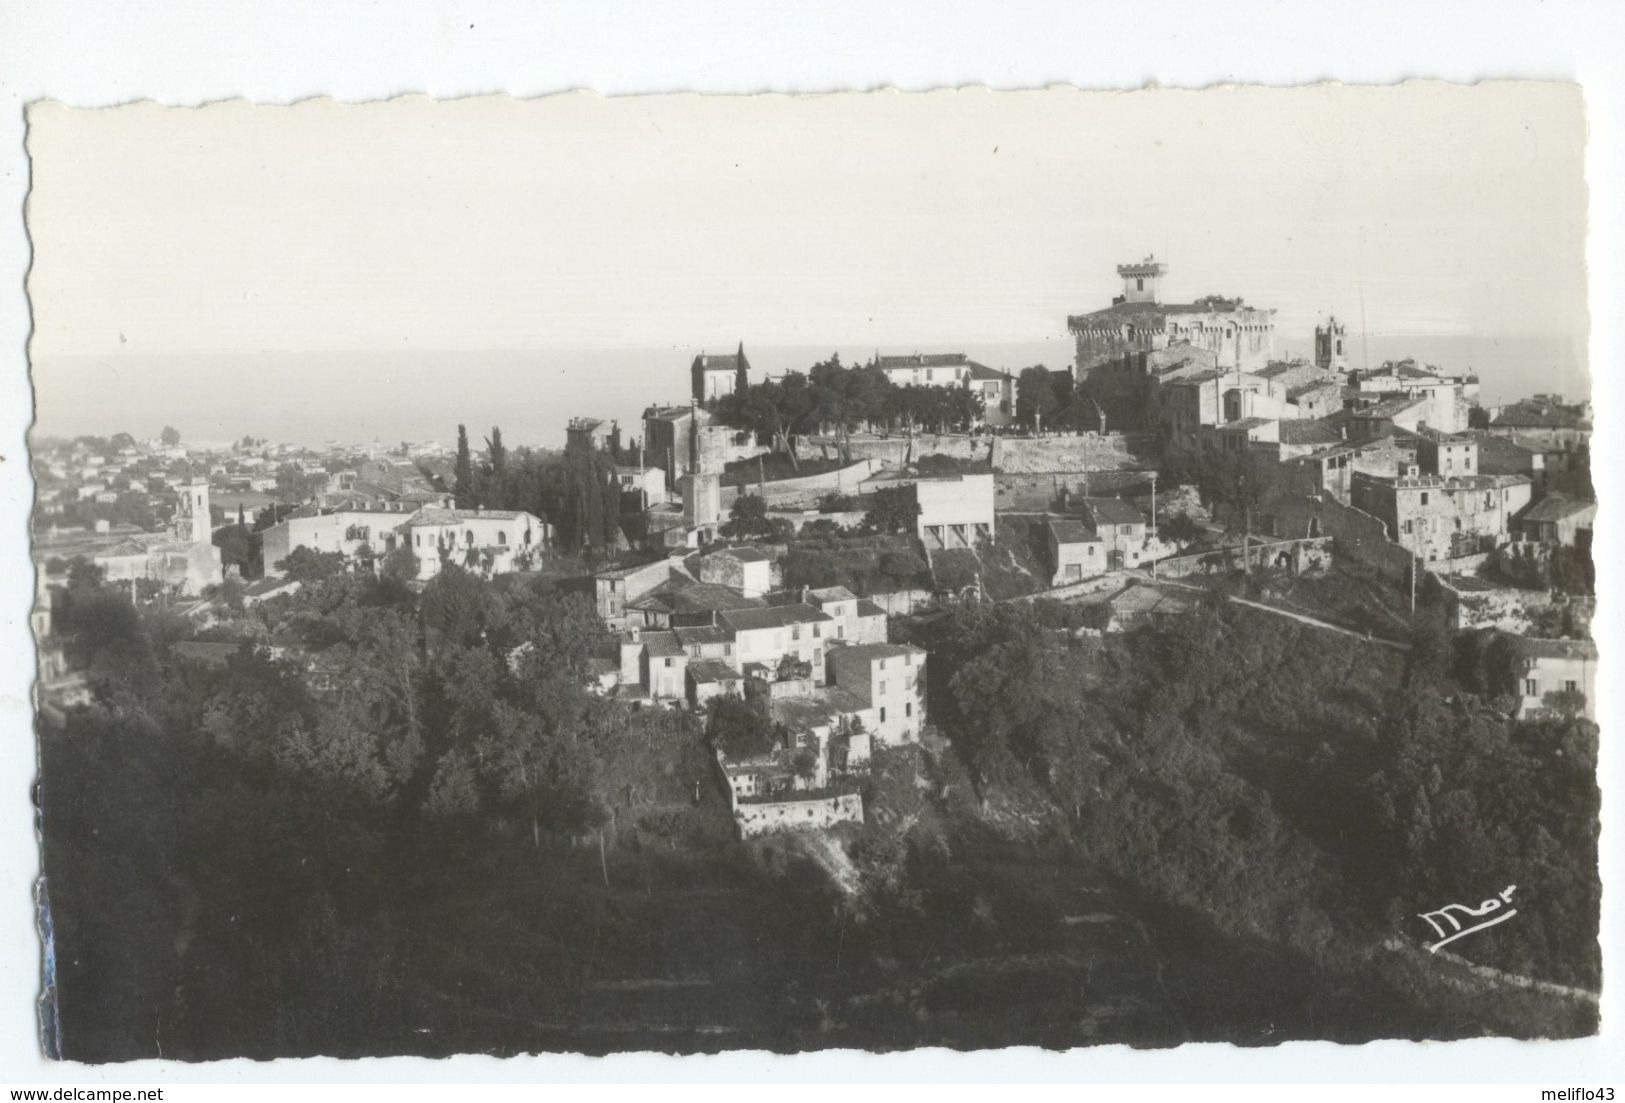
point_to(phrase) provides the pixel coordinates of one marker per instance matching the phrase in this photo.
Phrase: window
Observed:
(502, 538)
(727, 649)
(667, 664)
(1531, 687)
(1407, 528)
(1125, 530)
(1571, 686)
(1467, 463)
(882, 714)
(795, 632)
(818, 631)
(908, 710)
(883, 688)
(1424, 497)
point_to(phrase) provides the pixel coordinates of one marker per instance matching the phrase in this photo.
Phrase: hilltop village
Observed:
(748, 553)
(833, 706)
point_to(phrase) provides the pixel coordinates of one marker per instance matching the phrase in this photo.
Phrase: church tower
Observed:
(1331, 346)
(192, 523)
(1140, 280)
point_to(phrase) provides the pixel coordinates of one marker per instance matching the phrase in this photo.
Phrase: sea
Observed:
(315, 398)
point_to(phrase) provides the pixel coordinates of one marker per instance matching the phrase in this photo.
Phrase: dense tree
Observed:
(238, 548)
(496, 455)
(1181, 528)
(1036, 400)
(465, 490)
(748, 519)
(892, 509)
(304, 565)
(739, 728)
(170, 436)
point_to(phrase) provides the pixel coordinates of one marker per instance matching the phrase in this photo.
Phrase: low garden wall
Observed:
(807, 489)
(797, 815)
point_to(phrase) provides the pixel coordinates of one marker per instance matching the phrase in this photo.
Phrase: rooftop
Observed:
(661, 644)
(1311, 431)
(1533, 415)
(1558, 507)
(832, 593)
(923, 360)
(1282, 367)
(1143, 313)
(745, 554)
(1113, 511)
(773, 616)
(822, 706)
(435, 515)
(1434, 436)
(705, 671)
(1298, 390)
(628, 572)
(874, 651)
(1072, 532)
(1532, 648)
(1245, 425)
(1389, 407)
(671, 413)
(682, 596)
(703, 634)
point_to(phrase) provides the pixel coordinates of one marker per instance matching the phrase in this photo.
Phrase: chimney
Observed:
(806, 592)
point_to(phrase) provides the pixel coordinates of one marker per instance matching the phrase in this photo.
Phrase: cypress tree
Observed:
(464, 488)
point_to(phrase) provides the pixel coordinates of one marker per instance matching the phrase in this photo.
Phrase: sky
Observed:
(479, 229)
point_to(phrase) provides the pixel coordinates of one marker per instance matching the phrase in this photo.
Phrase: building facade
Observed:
(888, 678)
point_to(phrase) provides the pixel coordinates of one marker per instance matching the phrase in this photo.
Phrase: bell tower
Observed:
(192, 522)
(1140, 280)
(1331, 345)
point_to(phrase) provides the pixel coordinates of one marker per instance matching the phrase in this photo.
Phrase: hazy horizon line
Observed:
(731, 343)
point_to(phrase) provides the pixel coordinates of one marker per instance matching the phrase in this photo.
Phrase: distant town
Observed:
(785, 587)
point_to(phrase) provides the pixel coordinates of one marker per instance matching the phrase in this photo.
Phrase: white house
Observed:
(486, 541)
(888, 678)
(350, 532)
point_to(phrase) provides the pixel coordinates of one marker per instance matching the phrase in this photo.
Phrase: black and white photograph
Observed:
(598, 548)
(685, 574)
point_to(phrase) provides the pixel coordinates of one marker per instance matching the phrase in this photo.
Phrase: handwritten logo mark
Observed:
(1449, 927)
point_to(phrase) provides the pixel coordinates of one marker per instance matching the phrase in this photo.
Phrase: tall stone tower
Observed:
(1140, 280)
(702, 486)
(1331, 345)
(192, 523)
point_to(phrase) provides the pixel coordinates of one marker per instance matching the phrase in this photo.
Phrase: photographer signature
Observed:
(1449, 928)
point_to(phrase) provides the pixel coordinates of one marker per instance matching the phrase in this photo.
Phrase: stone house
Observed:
(888, 678)
(1438, 517)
